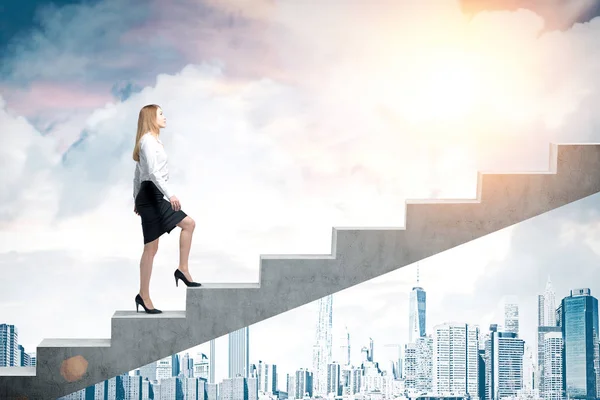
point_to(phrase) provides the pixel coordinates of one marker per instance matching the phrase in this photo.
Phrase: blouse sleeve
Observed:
(136, 181)
(148, 153)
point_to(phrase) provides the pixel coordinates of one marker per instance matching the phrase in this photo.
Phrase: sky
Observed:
(285, 119)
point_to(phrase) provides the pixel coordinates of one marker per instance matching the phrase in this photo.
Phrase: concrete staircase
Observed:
(289, 281)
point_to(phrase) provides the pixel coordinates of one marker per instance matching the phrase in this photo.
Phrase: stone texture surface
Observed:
(290, 281)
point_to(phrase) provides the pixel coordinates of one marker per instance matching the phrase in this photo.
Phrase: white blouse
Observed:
(152, 166)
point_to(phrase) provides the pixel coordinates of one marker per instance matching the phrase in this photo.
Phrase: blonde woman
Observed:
(157, 206)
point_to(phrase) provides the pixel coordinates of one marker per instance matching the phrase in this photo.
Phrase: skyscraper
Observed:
(547, 323)
(416, 312)
(511, 315)
(456, 360)
(303, 384)
(547, 306)
(394, 356)
(345, 348)
(418, 365)
(9, 346)
(201, 366)
(334, 379)
(211, 362)
(322, 348)
(579, 321)
(553, 366)
(529, 369)
(267, 378)
(239, 353)
(503, 364)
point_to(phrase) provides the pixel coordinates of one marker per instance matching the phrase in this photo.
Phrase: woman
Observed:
(150, 194)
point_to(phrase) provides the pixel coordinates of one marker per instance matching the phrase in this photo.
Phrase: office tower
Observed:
(211, 364)
(394, 353)
(529, 370)
(364, 355)
(175, 364)
(211, 392)
(149, 371)
(132, 387)
(201, 366)
(115, 388)
(345, 347)
(409, 371)
(164, 368)
(303, 384)
(511, 315)
(503, 364)
(235, 388)
(323, 344)
(481, 374)
(334, 379)
(424, 364)
(580, 337)
(24, 357)
(9, 346)
(416, 312)
(547, 306)
(355, 380)
(185, 370)
(239, 353)
(456, 360)
(252, 383)
(33, 359)
(542, 331)
(371, 350)
(418, 365)
(547, 323)
(291, 386)
(553, 367)
(267, 378)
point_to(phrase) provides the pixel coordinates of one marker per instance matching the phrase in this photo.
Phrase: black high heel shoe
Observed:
(179, 275)
(139, 301)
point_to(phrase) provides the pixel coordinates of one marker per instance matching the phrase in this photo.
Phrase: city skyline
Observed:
(382, 361)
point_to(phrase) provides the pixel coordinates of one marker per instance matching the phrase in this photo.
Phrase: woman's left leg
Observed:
(187, 226)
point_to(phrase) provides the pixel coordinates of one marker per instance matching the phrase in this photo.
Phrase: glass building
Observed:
(416, 314)
(579, 323)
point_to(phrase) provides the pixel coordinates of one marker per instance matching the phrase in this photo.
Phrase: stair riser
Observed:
(136, 332)
(49, 383)
(235, 308)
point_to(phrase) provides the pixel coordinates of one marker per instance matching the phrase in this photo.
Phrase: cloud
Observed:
(124, 89)
(311, 123)
(27, 158)
(559, 15)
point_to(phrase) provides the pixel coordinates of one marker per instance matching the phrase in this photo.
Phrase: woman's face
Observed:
(161, 121)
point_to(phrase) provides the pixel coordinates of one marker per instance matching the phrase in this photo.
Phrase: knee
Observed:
(191, 224)
(151, 248)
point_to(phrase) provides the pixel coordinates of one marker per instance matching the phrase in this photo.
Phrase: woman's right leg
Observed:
(150, 250)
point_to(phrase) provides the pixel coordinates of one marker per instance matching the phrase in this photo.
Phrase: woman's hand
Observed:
(135, 210)
(175, 203)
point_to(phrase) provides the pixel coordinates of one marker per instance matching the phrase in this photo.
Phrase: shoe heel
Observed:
(176, 282)
(137, 307)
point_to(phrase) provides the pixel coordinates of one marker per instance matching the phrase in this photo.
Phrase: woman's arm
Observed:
(148, 152)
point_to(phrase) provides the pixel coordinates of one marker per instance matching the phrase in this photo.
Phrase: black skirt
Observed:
(157, 213)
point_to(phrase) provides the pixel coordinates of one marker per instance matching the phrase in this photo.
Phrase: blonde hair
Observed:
(146, 123)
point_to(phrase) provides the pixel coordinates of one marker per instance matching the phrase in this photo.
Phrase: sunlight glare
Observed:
(443, 85)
